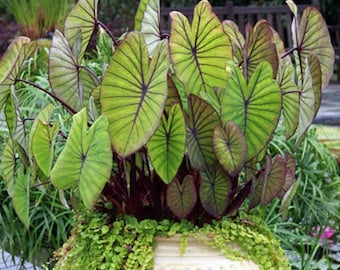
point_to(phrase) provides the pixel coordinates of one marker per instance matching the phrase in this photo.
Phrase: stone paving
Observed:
(329, 112)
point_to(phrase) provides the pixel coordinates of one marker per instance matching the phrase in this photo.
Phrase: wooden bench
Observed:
(280, 17)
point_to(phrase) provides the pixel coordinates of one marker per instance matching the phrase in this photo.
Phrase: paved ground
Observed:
(6, 263)
(329, 112)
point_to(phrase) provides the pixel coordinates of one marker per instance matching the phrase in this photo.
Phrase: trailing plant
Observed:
(177, 126)
(127, 243)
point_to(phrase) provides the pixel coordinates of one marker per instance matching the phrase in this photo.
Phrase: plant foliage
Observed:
(176, 126)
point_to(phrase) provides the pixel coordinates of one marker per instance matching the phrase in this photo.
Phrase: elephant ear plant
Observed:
(178, 124)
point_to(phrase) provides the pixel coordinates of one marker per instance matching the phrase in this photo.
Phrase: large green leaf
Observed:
(86, 159)
(44, 116)
(307, 104)
(11, 64)
(147, 21)
(236, 38)
(8, 164)
(290, 97)
(82, 16)
(259, 47)
(181, 196)
(230, 148)
(215, 190)
(14, 120)
(134, 92)
(166, 147)
(315, 70)
(71, 82)
(43, 142)
(255, 107)
(312, 36)
(21, 197)
(199, 52)
(201, 122)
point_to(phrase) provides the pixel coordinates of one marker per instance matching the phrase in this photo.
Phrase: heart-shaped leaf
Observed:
(14, 120)
(134, 92)
(315, 70)
(290, 97)
(43, 141)
(290, 175)
(82, 16)
(269, 182)
(147, 21)
(71, 82)
(166, 147)
(273, 178)
(255, 107)
(230, 148)
(12, 62)
(201, 122)
(86, 159)
(236, 38)
(21, 197)
(215, 190)
(8, 164)
(181, 196)
(199, 52)
(313, 37)
(307, 104)
(44, 116)
(259, 47)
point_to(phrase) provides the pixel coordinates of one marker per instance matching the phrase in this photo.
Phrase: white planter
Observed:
(197, 256)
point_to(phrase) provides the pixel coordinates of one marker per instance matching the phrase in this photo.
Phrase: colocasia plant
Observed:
(177, 125)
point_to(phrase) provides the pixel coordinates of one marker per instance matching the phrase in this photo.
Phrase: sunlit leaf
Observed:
(44, 116)
(11, 64)
(147, 21)
(290, 97)
(201, 122)
(21, 197)
(260, 47)
(86, 159)
(313, 37)
(181, 196)
(215, 190)
(230, 147)
(134, 92)
(255, 107)
(307, 104)
(43, 141)
(82, 16)
(71, 82)
(315, 70)
(166, 147)
(236, 38)
(199, 51)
